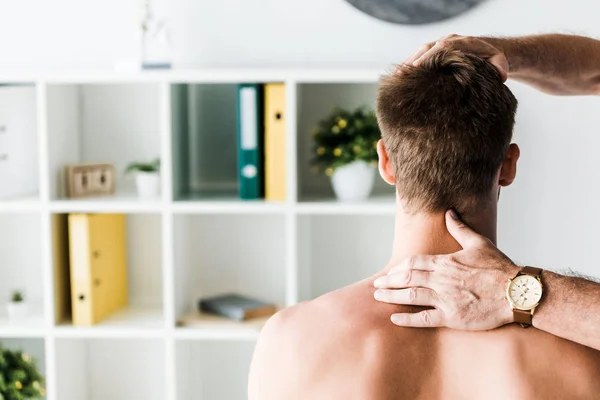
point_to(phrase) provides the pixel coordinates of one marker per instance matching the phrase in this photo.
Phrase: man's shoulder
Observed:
(333, 312)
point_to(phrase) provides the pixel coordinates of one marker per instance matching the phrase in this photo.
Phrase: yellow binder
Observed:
(275, 151)
(98, 266)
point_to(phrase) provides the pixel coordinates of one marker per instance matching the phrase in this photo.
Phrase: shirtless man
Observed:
(446, 127)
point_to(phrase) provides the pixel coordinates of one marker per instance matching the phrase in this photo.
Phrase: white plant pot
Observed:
(353, 182)
(16, 311)
(148, 185)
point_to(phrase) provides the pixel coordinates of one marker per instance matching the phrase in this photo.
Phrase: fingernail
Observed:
(378, 294)
(416, 62)
(395, 318)
(378, 282)
(453, 214)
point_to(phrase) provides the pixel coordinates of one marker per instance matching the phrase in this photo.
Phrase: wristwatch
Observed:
(524, 293)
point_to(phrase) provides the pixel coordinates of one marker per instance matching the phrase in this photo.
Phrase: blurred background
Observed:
(172, 172)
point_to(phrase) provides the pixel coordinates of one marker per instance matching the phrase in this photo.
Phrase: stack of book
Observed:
(261, 141)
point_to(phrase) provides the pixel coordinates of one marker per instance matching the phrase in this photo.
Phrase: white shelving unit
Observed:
(180, 247)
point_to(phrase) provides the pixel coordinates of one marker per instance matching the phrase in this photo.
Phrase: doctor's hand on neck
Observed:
(466, 289)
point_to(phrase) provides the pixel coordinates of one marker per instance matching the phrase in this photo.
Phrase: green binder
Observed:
(250, 129)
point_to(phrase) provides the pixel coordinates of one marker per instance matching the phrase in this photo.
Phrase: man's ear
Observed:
(385, 167)
(508, 171)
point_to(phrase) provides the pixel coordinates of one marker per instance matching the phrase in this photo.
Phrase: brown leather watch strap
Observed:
(523, 317)
(531, 271)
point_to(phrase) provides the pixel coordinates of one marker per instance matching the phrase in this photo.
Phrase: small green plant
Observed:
(344, 137)
(19, 376)
(17, 297)
(153, 166)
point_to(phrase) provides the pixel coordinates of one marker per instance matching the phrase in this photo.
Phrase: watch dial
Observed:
(525, 291)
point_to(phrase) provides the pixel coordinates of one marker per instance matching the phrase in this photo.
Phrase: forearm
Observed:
(570, 309)
(555, 64)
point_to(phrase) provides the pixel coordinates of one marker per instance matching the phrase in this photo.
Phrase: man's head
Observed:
(446, 130)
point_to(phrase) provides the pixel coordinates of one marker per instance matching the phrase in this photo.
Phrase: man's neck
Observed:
(425, 233)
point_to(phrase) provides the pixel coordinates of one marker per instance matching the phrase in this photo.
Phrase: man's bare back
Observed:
(343, 346)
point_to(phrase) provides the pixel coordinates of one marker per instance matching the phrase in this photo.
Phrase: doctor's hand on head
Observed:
(466, 289)
(467, 44)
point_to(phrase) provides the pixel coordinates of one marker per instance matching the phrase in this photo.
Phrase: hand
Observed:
(467, 289)
(467, 44)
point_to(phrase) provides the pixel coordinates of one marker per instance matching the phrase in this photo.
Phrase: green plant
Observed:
(344, 137)
(19, 376)
(17, 297)
(153, 166)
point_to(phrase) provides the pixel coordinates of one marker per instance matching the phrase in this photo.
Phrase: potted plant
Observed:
(346, 150)
(19, 376)
(147, 178)
(16, 307)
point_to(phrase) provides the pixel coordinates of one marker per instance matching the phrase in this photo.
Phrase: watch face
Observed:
(525, 292)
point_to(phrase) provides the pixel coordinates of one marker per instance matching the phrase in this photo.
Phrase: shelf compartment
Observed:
(228, 253)
(204, 133)
(335, 251)
(21, 268)
(213, 370)
(101, 123)
(19, 155)
(314, 102)
(116, 369)
(144, 266)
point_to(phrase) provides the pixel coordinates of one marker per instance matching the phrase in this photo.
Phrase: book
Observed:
(250, 141)
(275, 142)
(98, 266)
(236, 307)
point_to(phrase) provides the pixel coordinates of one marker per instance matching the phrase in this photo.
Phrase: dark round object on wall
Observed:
(414, 12)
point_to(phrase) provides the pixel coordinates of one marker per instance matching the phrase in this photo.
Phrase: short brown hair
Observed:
(446, 126)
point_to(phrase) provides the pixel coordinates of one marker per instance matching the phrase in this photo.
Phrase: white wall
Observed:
(547, 218)
(74, 33)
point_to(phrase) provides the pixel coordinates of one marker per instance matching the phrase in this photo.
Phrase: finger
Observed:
(412, 296)
(420, 51)
(501, 63)
(467, 45)
(422, 319)
(421, 263)
(403, 278)
(434, 49)
(482, 49)
(464, 235)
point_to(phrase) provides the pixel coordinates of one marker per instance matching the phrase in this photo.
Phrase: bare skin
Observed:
(339, 345)
(343, 346)
(469, 285)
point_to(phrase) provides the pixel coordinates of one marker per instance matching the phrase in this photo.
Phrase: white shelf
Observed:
(211, 327)
(180, 249)
(120, 203)
(31, 326)
(196, 76)
(128, 323)
(227, 206)
(21, 204)
(382, 205)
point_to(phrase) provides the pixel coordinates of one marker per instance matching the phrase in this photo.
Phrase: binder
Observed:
(275, 149)
(98, 266)
(250, 141)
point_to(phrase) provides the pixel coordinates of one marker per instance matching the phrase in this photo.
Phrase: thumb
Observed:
(464, 235)
(501, 63)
